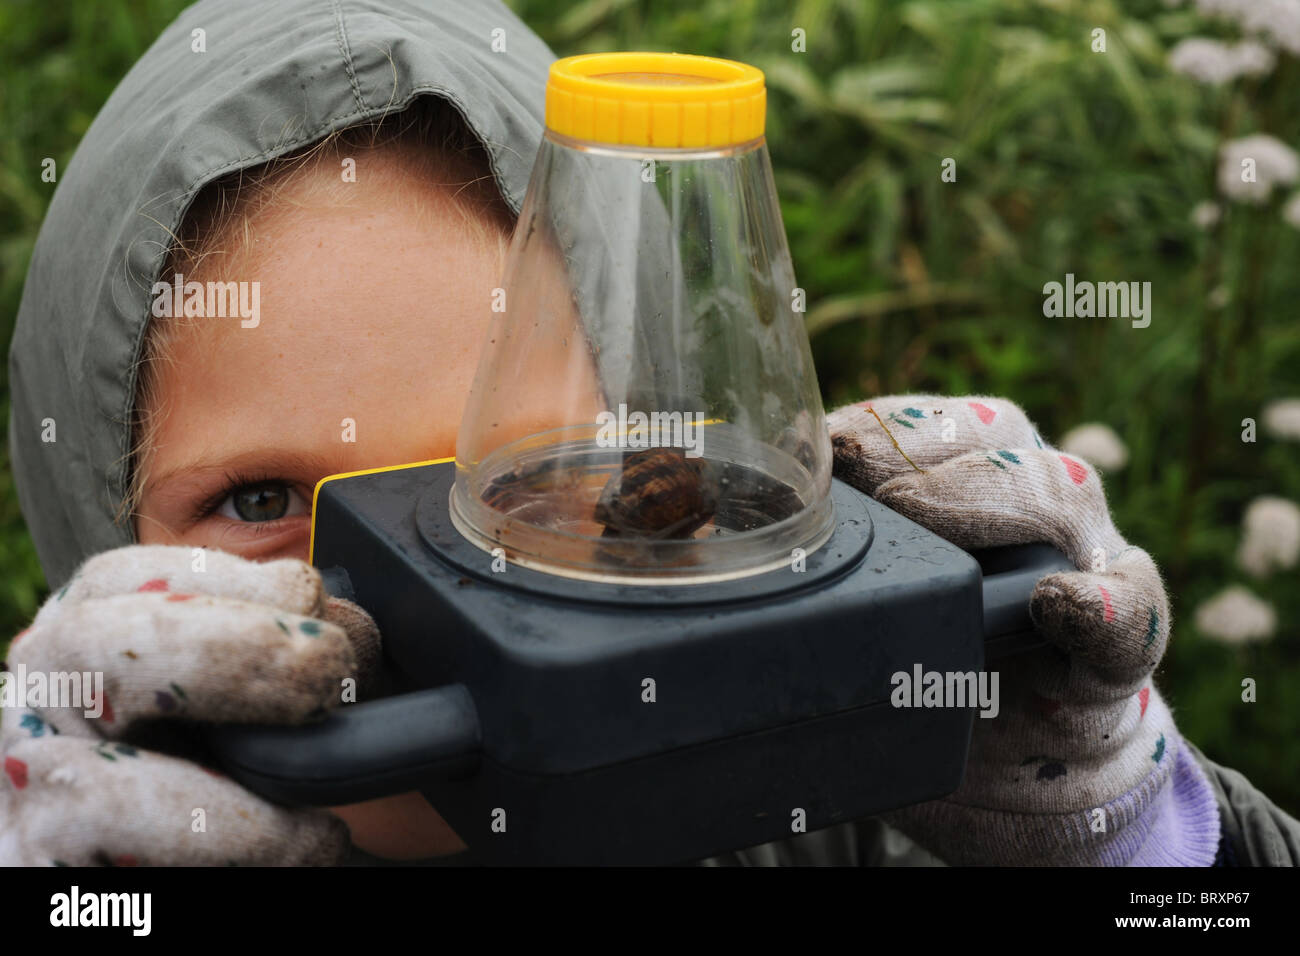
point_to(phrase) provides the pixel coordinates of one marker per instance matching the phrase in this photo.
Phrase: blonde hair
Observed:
(429, 138)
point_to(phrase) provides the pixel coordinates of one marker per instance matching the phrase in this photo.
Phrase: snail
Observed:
(658, 493)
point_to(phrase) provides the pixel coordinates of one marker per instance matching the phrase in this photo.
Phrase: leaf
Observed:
(833, 311)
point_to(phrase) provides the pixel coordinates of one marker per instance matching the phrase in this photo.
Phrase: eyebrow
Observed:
(276, 461)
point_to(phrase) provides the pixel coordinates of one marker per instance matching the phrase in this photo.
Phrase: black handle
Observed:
(1010, 575)
(358, 752)
(364, 751)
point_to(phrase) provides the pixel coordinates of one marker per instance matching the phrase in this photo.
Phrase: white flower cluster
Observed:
(1213, 62)
(1235, 616)
(1278, 20)
(1291, 211)
(1270, 536)
(1275, 164)
(1282, 418)
(1206, 214)
(1096, 444)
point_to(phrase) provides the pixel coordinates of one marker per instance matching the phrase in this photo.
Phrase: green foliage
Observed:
(58, 64)
(1067, 161)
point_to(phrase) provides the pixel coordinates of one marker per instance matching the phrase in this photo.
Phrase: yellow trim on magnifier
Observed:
(311, 546)
(661, 100)
(315, 494)
(637, 431)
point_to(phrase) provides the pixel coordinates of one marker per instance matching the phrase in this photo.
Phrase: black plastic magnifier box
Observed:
(559, 721)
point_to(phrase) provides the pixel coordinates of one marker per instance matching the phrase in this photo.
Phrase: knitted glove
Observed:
(232, 641)
(1083, 765)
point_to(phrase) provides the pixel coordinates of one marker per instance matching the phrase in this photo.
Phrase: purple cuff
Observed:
(1180, 828)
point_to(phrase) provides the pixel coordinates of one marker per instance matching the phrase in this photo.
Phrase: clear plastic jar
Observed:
(646, 409)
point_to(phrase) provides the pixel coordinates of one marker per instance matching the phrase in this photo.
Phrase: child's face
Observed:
(372, 317)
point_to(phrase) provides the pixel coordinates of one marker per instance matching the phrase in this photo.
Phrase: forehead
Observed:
(371, 308)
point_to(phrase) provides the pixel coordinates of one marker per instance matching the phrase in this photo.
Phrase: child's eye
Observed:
(265, 501)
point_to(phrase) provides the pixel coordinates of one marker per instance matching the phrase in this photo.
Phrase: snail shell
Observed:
(658, 493)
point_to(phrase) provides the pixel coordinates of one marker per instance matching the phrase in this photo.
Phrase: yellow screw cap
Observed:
(663, 100)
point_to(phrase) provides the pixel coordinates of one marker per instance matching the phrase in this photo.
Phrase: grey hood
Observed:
(274, 77)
